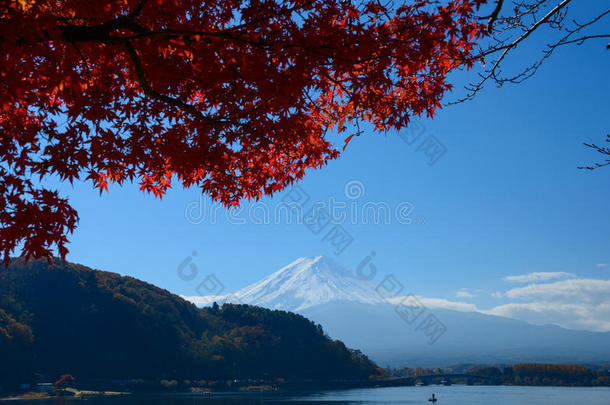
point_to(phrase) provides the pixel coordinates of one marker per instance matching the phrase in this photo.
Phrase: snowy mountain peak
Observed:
(307, 282)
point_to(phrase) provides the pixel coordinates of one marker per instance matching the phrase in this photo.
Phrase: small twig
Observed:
(580, 40)
(82, 58)
(600, 149)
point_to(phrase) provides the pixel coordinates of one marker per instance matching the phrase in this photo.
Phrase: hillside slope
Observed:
(67, 318)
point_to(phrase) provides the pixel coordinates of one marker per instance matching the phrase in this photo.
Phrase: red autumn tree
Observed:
(64, 382)
(235, 97)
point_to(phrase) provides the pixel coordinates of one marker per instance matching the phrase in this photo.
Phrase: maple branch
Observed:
(98, 33)
(137, 64)
(261, 44)
(494, 15)
(102, 33)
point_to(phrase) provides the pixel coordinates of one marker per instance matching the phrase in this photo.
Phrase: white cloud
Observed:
(602, 265)
(463, 293)
(571, 316)
(582, 290)
(208, 300)
(432, 303)
(204, 300)
(537, 276)
(497, 294)
(446, 304)
(574, 304)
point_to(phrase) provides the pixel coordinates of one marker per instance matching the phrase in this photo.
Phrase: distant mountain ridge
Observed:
(350, 309)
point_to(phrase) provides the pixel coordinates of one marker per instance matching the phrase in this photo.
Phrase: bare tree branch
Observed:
(603, 151)
(492, 73)
(510, 28)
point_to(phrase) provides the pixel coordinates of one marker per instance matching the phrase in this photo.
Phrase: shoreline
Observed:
(197, 392)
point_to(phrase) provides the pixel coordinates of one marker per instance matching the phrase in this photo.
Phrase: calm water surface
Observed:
(451, 395)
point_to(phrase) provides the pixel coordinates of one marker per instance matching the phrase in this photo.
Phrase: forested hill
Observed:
(67, 318)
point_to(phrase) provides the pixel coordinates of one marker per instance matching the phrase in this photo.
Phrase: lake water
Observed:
(451, 395)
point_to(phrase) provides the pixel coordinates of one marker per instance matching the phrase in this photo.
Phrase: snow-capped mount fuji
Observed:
(351, 310)
(308, 282)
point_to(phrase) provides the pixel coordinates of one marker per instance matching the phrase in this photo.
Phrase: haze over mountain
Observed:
(396, 330)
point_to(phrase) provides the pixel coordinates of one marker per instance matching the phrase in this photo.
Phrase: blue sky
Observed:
(505, 199)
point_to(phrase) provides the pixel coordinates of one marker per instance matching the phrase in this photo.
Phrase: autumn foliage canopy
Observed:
(234, 97)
